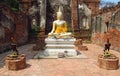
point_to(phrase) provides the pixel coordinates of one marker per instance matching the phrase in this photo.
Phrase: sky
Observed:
(116, 1)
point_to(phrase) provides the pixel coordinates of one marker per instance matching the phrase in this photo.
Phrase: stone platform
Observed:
(54, 46)
(60, 48)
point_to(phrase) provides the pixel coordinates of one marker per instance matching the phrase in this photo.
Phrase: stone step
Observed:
(58, 42)
(59, 46)
(55, 46)
(60, 39)
(53, 52)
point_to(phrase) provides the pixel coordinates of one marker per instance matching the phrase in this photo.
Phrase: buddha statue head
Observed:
(59, 14)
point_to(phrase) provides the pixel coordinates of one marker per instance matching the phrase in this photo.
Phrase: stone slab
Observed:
(60, 40)
(40, 55)
(59, 46)
(54, 52)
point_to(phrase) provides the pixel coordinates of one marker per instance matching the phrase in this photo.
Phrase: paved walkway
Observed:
(60, 67)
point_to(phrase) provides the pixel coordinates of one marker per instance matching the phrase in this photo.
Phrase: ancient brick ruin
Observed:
(19, 23)
(13, 24)
(106, 24)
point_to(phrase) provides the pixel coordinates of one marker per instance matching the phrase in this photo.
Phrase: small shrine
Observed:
(15, 61)
(108, 60)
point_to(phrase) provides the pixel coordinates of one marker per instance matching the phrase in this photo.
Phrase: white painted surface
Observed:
(55, 46)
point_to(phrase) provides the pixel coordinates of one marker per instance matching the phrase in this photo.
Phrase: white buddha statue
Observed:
(60, 29)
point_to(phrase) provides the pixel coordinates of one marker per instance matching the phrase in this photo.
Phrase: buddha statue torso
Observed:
(60, 26)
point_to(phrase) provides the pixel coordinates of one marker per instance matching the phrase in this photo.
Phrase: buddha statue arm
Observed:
(53, 28)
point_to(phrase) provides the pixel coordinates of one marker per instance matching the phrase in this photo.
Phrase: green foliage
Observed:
(13, 4)
(36, 29)
(14, 54)
(107, 54)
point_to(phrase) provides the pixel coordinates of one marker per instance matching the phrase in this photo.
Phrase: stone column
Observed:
(84, 22)
(74, 6)
(87, 23)
(42, 6)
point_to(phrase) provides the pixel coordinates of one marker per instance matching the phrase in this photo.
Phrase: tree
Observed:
(13, 4)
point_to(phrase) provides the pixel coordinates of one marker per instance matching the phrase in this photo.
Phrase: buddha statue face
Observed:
(59, 15)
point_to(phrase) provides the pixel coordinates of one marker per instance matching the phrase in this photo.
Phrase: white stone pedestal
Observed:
(60, 45)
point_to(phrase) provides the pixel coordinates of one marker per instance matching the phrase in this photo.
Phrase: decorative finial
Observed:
(59, 13)
(59, 9)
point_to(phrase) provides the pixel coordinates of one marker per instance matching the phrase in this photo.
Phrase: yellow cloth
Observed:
(60, 29)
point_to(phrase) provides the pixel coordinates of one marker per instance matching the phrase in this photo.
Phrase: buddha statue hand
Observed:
(66, 34)
(53, 35)
(49, 34)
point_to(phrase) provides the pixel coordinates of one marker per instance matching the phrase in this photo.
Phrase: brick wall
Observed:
(19, 29)
(74, 6)
(113, 35)
(21, 33)
(92, 4)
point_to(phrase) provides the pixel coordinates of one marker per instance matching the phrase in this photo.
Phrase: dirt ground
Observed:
(60, 66)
